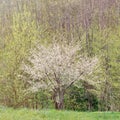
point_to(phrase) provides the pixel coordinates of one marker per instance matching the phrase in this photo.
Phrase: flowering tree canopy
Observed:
(57, 67)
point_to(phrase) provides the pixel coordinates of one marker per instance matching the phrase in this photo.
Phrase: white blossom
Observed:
(58, 66)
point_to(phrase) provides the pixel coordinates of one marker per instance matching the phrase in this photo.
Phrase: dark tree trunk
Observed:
(59, 105)
(59, 99)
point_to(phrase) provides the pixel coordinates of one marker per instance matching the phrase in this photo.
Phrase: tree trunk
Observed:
(59, 99)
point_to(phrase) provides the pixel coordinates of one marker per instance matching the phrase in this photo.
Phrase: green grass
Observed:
(25, 114)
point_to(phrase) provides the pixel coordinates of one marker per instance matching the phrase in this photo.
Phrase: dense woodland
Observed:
(70, 46)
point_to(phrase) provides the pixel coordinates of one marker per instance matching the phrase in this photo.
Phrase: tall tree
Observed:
(56, 68)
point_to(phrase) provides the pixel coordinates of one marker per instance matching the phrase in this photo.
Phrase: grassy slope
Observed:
(24, 114)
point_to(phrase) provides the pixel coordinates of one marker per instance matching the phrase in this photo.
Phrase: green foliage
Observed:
(80, 99)
(27, 23)
(22, 37)
(105, 44)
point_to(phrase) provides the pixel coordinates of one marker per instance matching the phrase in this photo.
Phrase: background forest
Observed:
(92, 24)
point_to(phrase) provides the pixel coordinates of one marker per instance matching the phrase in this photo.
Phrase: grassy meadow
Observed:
(27, 114)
